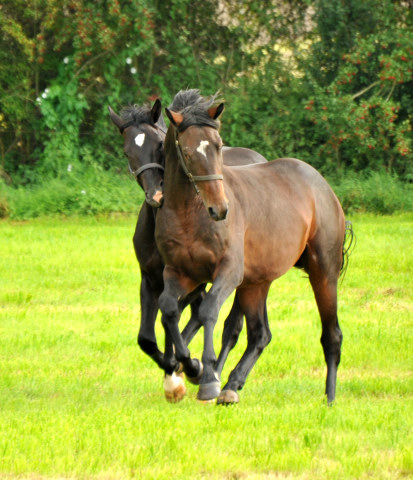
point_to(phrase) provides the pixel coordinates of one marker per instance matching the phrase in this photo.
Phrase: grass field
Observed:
(79, 400)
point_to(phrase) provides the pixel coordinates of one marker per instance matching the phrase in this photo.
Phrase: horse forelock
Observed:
(194, 109)
(137, 114)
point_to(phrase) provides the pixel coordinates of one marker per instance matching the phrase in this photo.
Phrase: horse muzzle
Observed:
(156, 200)
(218, 213)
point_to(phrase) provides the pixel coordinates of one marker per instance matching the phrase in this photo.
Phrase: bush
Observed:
(91, 192)
(376, 192)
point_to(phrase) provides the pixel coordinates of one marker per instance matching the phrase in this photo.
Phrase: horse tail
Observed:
(349, 244)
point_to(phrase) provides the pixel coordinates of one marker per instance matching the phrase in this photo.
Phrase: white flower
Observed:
(133, 70)
(83, 192)
(44, 95)
(39, 100)
(66, 60)
(69, 167)
(128, 60)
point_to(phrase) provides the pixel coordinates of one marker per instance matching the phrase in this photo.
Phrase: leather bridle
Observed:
(147, 166)
(193, 178)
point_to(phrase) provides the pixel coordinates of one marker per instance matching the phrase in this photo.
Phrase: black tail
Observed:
(349, 244)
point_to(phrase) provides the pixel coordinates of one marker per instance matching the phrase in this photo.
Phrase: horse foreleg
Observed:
(232, 329)
(173, 384)
(168, 302)
(194, 323)
(224, 284)
(252, 302)
(149, 309)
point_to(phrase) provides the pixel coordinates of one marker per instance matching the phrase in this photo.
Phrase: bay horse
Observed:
(241, 228)
(143, 129)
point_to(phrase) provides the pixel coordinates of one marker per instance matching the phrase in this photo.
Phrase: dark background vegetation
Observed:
(327, 81)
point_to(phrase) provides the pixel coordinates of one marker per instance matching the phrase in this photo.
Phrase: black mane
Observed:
(137, 114)
(194, 109)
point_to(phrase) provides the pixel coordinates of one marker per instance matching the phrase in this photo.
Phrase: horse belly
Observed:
(271, 253)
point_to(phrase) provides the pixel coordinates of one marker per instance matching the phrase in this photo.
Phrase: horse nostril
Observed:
(212, 213)
(217, 214)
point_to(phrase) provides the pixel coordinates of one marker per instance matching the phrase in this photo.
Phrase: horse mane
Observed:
(194, 108)
(137, 114)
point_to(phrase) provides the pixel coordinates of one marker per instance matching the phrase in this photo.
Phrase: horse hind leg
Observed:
(323, 275)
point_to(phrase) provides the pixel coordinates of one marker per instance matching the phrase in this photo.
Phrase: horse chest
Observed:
(188, 252)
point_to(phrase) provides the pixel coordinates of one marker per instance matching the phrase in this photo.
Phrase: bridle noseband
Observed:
(141, 169)
(193, 178)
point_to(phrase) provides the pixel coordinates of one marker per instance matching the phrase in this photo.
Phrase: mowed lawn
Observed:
(79, 400)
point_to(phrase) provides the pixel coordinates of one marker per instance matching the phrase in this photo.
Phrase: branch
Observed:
(391, 91)
(91, 60)
(365, 90)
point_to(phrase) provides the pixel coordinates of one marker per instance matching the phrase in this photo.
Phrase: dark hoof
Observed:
(195, 380)
(227, 397)
(209, 391)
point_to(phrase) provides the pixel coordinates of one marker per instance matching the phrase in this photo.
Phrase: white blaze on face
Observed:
(202, 147)
(139, 139)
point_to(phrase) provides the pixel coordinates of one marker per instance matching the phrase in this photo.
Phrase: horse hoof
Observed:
(195, 380)
(208, 391)
(227, 397)
(174, 388)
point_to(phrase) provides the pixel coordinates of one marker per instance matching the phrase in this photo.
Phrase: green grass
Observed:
(79, 400)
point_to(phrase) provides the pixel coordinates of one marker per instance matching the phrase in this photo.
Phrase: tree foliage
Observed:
(329, 81)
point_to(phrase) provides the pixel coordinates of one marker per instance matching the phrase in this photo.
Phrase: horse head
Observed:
(199, 150)
(144, 132)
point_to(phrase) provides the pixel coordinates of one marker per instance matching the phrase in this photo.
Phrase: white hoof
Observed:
(174, 388)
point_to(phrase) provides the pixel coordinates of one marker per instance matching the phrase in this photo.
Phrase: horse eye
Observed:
(160, 146)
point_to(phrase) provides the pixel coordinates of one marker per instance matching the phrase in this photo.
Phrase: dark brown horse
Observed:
(143, 130)
(241, 228)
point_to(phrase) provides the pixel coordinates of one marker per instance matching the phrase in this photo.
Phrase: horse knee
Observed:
(168, 306)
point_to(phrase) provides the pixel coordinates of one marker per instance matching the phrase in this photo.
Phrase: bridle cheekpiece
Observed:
(193, 178)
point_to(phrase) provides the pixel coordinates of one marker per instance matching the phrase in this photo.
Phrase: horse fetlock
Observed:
(195, 378)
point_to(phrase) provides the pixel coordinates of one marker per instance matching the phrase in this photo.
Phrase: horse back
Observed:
(241, 156)
(285, 204)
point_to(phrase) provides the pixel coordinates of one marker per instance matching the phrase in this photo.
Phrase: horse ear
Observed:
(215, 112)
(175, 117)
(156, 110)
(115, 118)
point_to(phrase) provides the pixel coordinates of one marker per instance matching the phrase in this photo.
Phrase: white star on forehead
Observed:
(139, 139)
(202, 147)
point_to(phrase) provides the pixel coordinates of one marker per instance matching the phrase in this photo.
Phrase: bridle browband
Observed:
(147, 166)
(193, 178)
